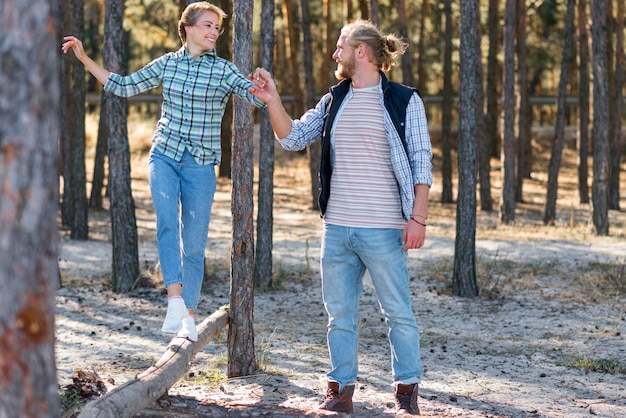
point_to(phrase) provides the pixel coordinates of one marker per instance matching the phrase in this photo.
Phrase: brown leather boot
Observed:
(406, 399)
(338, 401)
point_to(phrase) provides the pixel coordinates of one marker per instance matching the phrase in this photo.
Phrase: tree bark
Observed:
(314, 150)
(615, 149)
(403, 31)
(225, 50)
(464, 275)
(583, 103)
(79, 228)
(292, 27)
(446, 109)
(263, 268)
(599, 188)
(30, 113)
(241, 358)
(507, 205)
(422, 71)
(523, 125)
(493, 109)
(558, 139)
(125, 269)
(131, 397)
(102, 151)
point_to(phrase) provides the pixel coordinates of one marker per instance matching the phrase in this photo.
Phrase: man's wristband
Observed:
(416, 221)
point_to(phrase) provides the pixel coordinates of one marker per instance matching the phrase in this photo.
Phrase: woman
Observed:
(186, 147)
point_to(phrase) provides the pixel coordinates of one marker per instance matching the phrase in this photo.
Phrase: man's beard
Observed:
(346, 69)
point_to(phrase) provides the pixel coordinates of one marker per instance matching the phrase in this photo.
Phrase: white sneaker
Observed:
(189, 330)
(176, 311)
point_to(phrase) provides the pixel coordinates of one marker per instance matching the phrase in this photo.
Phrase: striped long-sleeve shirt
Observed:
(195, 93)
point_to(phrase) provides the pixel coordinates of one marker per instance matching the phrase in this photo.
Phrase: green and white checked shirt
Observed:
(195, 93)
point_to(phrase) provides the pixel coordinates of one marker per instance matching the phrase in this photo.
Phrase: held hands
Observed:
(264, 86)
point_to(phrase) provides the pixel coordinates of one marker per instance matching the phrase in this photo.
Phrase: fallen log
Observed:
(133, 396)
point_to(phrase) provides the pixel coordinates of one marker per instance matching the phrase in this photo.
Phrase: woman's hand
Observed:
(263, 85)
(75, 44)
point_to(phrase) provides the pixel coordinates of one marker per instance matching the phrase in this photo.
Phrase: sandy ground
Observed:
(508, 353)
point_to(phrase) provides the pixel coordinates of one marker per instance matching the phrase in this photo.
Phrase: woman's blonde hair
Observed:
(384, 50)
(192, 13)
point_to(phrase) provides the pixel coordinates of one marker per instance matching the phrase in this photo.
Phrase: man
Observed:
(375, 175)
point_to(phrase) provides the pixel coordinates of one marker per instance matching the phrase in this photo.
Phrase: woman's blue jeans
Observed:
(182, 192)
(345, 255)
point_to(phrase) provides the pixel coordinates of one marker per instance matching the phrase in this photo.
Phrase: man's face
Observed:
(344, 57)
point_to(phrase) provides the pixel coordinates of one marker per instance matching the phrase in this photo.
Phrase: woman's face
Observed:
(204, 33)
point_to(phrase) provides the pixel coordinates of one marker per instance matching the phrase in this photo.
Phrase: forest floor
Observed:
(546, 338)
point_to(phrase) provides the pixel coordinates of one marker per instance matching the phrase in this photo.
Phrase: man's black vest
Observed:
(395, 98)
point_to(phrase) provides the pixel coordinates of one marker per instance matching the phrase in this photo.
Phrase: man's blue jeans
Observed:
(345, 255)
(182, 193)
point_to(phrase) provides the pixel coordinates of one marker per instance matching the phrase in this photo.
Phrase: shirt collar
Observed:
(183, 52)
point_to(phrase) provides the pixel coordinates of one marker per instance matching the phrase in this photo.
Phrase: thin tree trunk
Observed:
(67, 104)
(241, 358)
(464, 275)
(493, 111)
(403, 31)
(125, 269)
(483, 155)
(523, 125)
(30, 113)
(265, 218)
(327, 64)
(446, 109)
(600, 186)
(225, 50)
(79, 228)
(373, 8)
(102, 146)
(314, 150)
(422, 78)
(558, 139)
(293, 47)
(615, 149)
(583, 102)
(507, 208)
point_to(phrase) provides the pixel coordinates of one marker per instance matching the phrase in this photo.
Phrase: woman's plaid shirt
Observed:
(195, 93)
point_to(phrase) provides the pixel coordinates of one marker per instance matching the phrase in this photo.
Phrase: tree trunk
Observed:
(583, 103)
(422, 71)
(446, 109)
(102, 147)
(225, 50)
(557, 141)
(373, 9)
(327, 64)
(241, 358)
(125, 269)
(599, 188)
(615, 149)
(290, 20)
(483, 155)
(464, 276)
(314, 150)
(523, 125)
(131, 397)
(493, 111)
(403, 31)
(265, 219)
(79, 228)
(30, 113)
(67, 104)
(507, 206)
